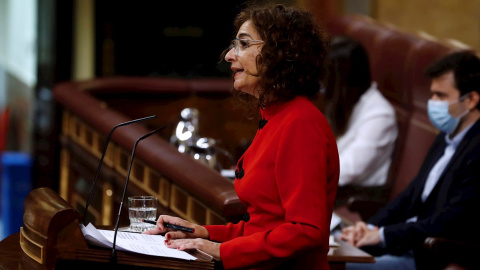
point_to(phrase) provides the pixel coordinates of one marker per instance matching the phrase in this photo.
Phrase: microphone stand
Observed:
(113, 257)
(90, 194)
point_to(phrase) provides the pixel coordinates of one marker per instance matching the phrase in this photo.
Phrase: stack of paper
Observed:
(332, 242)
(132, 242)
(335, 221)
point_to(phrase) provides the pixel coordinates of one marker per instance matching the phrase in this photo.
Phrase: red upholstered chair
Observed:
(391, 67)
(371, 35)
(340, 24)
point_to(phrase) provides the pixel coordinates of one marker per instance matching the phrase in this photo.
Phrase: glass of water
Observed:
(142, 208)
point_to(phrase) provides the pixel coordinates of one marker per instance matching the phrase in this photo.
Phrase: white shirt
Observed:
(366, 148)
(442, 163)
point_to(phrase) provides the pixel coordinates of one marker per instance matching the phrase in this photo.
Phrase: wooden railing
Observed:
(184, 186)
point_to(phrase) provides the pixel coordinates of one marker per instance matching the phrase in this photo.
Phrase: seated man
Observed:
(444, 198)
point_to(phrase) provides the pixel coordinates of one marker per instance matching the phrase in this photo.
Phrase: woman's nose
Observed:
(230, 56)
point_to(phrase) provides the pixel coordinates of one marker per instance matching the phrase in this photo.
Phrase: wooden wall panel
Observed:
(444, 19)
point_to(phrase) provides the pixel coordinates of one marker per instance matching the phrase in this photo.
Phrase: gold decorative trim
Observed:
(178, 201)
(196, 211)
(139, 172)
(27, 244)
(65, 121)
(192, 209)
(214, 219)
(107, 204)
(121, 160)
(109, 155)
(64, 173)
(118, 158)
(164, 192)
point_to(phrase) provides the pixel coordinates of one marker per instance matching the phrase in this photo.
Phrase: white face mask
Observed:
(441, 118)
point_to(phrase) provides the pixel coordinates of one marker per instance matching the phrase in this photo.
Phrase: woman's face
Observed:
(242, 57)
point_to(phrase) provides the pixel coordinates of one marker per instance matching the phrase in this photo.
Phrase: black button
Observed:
(239, 173)
(246, 217)
(262, 123)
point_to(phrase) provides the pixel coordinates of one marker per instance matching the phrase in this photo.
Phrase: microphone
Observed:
(90, 194)
(113, 257)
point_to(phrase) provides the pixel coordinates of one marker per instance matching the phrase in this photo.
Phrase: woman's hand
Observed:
(209, 247)
(200, 231)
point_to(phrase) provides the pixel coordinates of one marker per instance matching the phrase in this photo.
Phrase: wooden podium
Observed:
(51, 239)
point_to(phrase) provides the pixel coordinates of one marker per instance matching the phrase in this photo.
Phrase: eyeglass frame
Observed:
(235, 44)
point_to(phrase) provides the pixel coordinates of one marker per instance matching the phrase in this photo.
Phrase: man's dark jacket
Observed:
(452, 209)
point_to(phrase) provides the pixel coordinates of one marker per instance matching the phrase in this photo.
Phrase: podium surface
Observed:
(51, 239)
(11, 257)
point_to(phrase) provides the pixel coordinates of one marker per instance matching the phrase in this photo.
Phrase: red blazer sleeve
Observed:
(223, 233)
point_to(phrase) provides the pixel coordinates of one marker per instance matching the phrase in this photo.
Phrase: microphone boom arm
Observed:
(114, 255)
(92, 187)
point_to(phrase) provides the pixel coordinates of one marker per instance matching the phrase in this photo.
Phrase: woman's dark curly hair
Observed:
(292, 60)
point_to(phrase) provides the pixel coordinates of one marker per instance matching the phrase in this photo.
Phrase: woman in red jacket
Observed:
(288, 177)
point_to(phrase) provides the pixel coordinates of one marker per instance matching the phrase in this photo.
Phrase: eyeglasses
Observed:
(241, 45)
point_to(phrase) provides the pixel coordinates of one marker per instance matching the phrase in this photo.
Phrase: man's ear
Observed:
(473, 100)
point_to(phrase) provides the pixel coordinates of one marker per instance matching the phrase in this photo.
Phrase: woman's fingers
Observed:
(209, 247)
(199, 231)
(154, 231)
(176, 235)
(162, 219)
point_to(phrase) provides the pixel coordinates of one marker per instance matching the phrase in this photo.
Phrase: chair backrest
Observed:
(420, 133)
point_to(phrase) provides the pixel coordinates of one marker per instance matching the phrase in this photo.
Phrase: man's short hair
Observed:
(466, 70)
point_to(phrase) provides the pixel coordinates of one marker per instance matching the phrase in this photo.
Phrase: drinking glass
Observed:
(142, 208)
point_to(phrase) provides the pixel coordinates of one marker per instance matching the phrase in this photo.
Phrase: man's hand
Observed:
(370, 237)
(352, 234)
(360, 235)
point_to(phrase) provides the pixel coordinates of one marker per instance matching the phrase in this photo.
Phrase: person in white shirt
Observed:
(362, 119)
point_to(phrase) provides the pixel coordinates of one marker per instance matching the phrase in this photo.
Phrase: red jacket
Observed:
(289, 183)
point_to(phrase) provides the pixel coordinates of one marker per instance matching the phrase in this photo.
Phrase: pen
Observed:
(171, 226)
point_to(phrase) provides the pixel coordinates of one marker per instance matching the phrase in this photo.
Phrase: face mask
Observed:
(441, 118)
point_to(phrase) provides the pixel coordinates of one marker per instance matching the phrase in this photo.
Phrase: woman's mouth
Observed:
(236, 72)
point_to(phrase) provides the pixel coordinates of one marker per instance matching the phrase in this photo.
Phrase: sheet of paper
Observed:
(94, 237)
(134, 242)
(334, 221)
(332, 242)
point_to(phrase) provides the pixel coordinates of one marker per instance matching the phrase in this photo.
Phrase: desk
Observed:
(11, 254)
(338, 256)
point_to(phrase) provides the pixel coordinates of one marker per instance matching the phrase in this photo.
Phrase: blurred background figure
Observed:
(362, 120)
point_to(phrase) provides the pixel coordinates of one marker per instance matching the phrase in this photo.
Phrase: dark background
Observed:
(163, 38)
